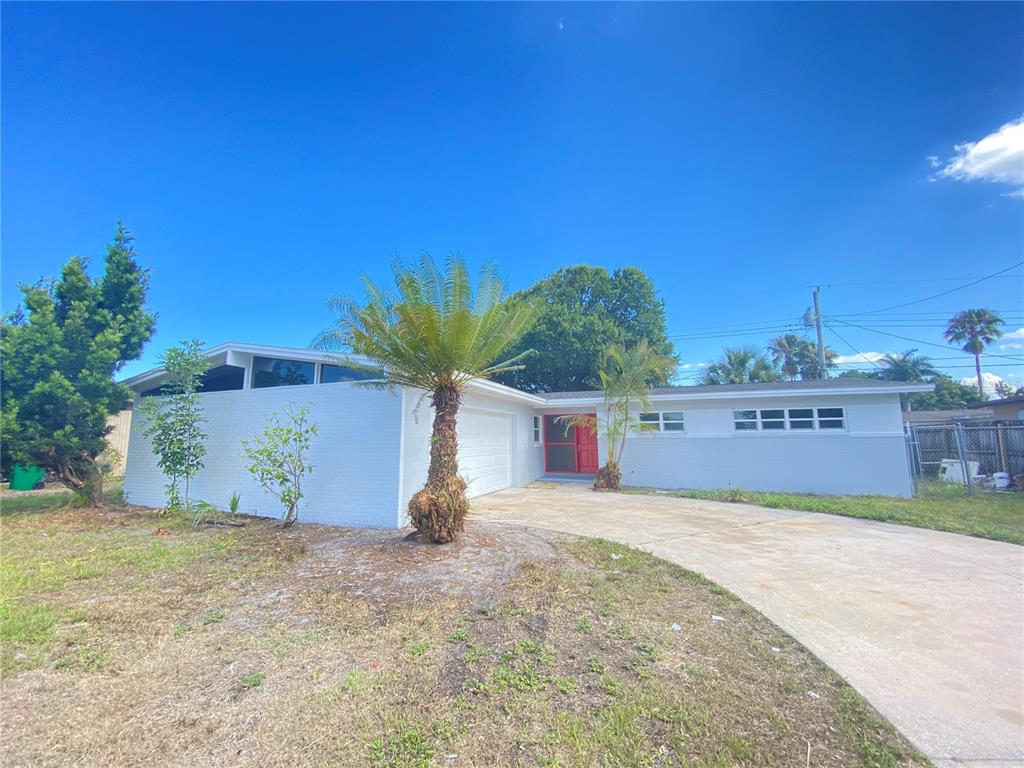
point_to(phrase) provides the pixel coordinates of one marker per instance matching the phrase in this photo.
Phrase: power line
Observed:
(937, 295)
(920, 341)
(732, 325)
(731, 334)
(873, 362)
(946, 367)
(904, 282)
(744, 295)
(935, 314)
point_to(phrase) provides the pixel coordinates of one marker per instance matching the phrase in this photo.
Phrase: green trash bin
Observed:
(26, 478)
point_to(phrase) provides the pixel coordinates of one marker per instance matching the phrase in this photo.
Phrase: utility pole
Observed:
(822, 373)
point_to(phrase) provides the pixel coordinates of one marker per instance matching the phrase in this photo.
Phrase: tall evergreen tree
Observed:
(61, 351)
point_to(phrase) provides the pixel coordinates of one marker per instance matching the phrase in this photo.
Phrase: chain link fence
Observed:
(978, 458)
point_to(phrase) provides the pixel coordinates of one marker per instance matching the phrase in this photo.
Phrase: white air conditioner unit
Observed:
(952, 471)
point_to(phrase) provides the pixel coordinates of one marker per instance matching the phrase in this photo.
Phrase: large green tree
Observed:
(435, 333)
(1004, 389)
(61, 350)
(797, 358)
(739, 365)
(582, 310)
(973, 330)
(949, 395)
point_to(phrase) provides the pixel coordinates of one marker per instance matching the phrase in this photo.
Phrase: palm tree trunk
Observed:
(439, 509)
(981, 382)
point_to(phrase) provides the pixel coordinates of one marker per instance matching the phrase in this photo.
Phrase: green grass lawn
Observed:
(31, 501)
(941, 507)
(127, 636)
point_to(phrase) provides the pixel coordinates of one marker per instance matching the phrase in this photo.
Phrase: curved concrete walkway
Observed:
(928, 626)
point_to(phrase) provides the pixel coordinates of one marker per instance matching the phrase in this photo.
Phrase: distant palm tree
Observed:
(906, 366)
(785, 352)
(435, 333)
(739, 365)
(974, 329)
(796, 357)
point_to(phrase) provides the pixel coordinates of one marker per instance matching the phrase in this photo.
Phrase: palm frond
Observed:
(434, 329)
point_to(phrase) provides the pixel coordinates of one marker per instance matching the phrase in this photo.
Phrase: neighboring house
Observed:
(1007, 409)
(117, 440)
(841, 436)
(953, 416)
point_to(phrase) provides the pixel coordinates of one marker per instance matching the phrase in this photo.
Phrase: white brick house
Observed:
(842, 436)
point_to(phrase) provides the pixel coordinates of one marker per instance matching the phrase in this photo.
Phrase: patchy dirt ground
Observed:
(130, 640)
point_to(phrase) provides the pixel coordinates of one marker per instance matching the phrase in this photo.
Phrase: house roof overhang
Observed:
(831, 387)
(153, 377)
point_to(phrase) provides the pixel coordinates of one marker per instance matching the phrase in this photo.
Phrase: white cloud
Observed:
(990, 380)
(864, 357)
(1018, 334)
(998, 157)
(1010, 347)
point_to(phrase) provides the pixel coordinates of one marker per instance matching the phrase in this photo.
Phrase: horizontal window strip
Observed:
(788, 419)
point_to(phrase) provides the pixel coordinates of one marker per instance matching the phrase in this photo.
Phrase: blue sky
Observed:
(267, 154)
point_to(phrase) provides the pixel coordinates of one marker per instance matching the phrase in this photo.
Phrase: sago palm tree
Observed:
(974, 329)
(739, 365)
(435, 333)
(624, 373)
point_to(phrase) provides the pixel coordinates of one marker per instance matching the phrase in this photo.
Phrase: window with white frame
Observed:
(666, 421)
(536, 430)
(831, 418)
(791, 419)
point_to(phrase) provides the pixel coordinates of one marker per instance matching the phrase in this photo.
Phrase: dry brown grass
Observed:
(327, 647)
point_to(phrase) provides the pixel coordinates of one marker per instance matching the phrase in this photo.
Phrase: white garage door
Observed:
(485, 447)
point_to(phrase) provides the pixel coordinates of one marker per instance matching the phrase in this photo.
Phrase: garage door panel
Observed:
(485, 451)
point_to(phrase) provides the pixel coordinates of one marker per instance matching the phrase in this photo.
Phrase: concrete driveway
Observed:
(928, 626)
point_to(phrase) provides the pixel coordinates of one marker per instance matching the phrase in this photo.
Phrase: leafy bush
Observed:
(277, 459)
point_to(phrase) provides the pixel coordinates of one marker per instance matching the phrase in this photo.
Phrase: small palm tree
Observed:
(434, 333)
(739, 365)
(625, 373)
(974, 329)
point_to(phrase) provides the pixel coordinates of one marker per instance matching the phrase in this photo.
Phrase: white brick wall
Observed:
(356, 455)
(869, 457)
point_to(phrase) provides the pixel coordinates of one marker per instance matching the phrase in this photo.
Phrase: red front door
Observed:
(586, 450)
(568, 448)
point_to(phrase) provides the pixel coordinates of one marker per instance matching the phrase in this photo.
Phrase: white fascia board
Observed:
(757, 394)
(494, 389)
